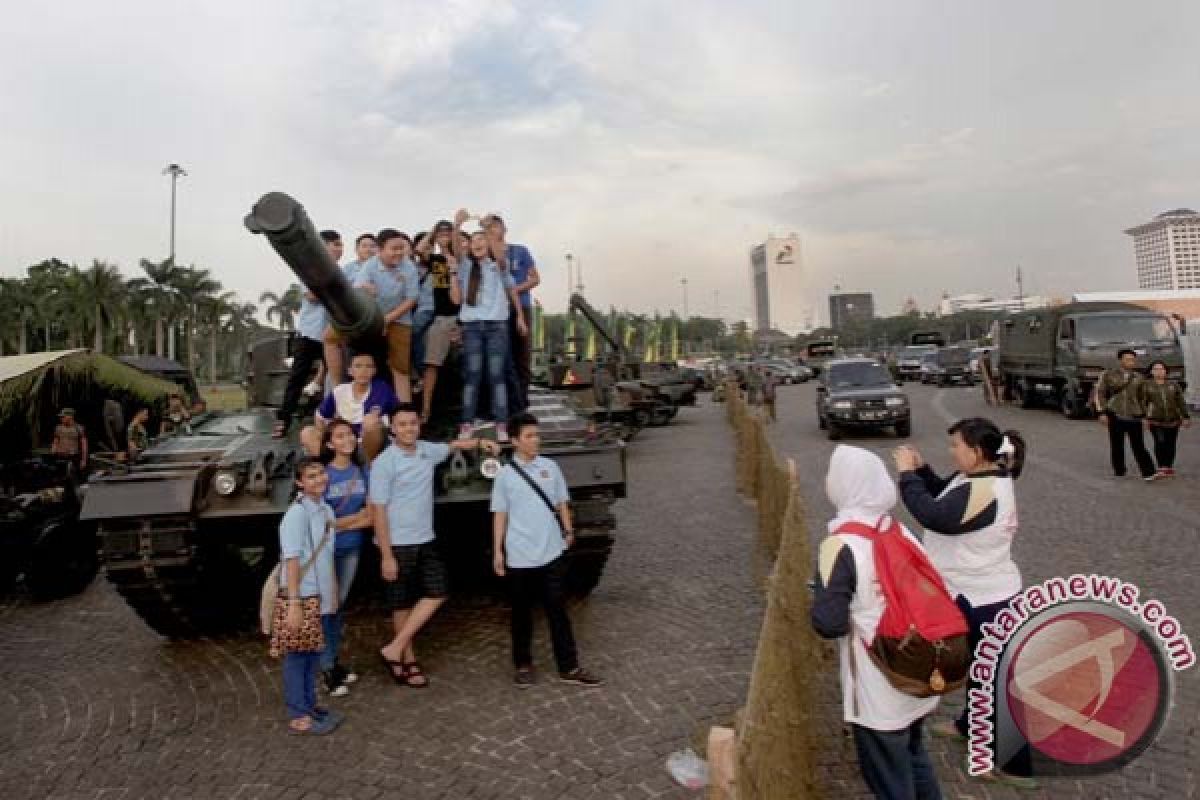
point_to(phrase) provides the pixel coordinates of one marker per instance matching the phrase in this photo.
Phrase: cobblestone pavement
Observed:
(1075, 517)
(93, 705)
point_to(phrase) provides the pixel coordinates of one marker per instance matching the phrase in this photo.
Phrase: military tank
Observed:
(189, 532)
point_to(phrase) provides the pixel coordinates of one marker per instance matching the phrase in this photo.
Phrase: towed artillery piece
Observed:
(189, 532)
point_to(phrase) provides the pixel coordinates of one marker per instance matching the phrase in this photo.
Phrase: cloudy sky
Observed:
(915, 147)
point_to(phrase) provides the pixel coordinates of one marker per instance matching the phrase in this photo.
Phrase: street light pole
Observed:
(683, 281)
(176, 172)
(570, 272)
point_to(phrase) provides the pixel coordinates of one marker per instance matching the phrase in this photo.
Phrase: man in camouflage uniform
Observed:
(1118, 402)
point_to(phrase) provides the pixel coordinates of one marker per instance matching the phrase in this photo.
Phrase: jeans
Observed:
(1165, 438)
(977, 616)
(895, 764)
(307, 353)
(517, 372)
(420, 326)
(300, 683)
(345, 565)
(486, 346)
(545, 586)
(1118, 430)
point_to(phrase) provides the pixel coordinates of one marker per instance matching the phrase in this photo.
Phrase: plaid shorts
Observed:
(420, 572)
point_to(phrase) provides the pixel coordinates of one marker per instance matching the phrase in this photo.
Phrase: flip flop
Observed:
(413, 670)
(400, 678)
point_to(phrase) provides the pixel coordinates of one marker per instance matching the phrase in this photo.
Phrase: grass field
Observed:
(224, 397)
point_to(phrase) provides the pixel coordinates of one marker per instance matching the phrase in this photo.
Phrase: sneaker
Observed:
(311, 389)
(346, 676)
(1153, 478)
(334, 684)
(1168, 471)
(501, 432)
(580, 677)
(465, 430)
(524, 678)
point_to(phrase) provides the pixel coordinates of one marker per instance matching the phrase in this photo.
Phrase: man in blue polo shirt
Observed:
(531, 532)
(401, 498)
(524, 272)
(392, 278)
(309, 348)
(334, 344)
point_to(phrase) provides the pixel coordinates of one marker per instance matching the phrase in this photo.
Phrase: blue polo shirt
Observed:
(533, 538)
(425, 283)
(312, 321)
(492, 303)
(520, 261)
(351, 269)
(403, 482)
(393, 286)
(300, 533)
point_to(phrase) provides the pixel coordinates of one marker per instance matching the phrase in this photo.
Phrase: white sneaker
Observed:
(311, 389)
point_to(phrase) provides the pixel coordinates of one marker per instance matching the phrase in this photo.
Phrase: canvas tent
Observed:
(34, 387)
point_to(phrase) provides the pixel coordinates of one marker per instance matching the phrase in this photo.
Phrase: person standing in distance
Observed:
(1118, 401)
(531, 532)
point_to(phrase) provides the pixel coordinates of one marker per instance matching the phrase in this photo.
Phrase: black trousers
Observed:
(545, 586)
(306, 353)
(895, 764)
(1118, 430)
(518, 371)
(1165, 438)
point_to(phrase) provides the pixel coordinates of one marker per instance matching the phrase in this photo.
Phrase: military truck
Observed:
(1055, 355)
(189, 531)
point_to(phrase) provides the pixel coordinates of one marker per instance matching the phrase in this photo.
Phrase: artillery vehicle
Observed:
(189, 532)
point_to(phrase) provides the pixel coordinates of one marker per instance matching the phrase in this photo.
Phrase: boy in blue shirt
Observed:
(401, 497)
(526, 278)
(529, 540)
(391, 277)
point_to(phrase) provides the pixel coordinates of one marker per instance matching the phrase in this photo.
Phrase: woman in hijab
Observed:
(970, 519)
(847, 606)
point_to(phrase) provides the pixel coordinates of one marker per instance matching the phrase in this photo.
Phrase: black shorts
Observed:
(420, 572)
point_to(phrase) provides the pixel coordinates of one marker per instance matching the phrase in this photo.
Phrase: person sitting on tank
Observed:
(443, 330)
(391, 277)
(414, 575)
(137, 437)
(483, 287)
(364, 401)
(332, 342)
(177, 418)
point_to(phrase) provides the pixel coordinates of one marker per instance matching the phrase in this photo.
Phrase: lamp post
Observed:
(683, 282)
(176, 172)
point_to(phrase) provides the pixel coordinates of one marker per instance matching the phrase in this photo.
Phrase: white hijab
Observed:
(859, 486)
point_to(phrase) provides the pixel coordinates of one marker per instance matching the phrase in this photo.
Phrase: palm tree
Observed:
(103, 289)
(194, 287)
(215, 308)
(285, 306)
(162, 297)
(241, 321)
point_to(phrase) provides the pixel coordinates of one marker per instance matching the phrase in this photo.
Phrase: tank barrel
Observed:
(287, 226)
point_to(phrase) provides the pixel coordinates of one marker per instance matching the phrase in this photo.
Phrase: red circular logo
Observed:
(1086, 688)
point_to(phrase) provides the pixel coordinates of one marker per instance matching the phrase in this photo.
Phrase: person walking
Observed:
(887, 724)
(531, 531)
(970, 520)
(1166, 412)
(1118, 402)
(769, 385)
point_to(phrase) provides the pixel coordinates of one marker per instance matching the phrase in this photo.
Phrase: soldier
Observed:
(1118, 402)
(137, 436)
(176, 418)
(70, 439)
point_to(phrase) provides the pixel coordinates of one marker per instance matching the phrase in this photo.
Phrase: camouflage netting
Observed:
(778, 739)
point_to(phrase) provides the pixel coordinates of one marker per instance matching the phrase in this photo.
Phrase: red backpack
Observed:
(921, 642)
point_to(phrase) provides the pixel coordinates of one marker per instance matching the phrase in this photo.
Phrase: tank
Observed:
(189, 532)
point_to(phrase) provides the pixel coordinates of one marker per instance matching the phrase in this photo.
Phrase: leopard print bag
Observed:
(310, 638)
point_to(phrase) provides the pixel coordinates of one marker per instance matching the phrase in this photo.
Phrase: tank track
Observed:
(594, 525)
(157, 567)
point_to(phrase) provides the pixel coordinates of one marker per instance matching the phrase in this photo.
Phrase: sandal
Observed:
(413, 670)
(400, 677)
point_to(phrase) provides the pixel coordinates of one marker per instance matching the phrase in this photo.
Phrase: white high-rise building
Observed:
(1167, 249)
(777, 286)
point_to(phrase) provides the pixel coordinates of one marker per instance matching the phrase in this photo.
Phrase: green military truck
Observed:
(1055, 355)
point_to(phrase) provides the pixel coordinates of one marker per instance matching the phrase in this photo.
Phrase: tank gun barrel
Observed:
(287, 226)
(578, 303)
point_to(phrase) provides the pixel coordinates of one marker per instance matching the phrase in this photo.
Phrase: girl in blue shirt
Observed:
(483, 286)
(346, 494)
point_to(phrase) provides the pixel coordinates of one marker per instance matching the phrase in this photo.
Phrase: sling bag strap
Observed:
(533, 485)
(312, 559)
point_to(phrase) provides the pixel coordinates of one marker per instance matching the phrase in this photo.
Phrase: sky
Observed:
(916, 148)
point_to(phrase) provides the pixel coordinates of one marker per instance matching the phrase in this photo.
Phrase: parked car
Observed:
(949, 366)
(928, 366)
(908, 361)
(858, 394)
(787, 372)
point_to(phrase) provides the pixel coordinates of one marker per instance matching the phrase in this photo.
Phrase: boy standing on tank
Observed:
(531, 532)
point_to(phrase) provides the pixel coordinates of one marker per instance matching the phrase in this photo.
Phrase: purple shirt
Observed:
(341, 402)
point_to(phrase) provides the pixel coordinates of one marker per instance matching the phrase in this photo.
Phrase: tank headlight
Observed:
(225, 482)
(489, 468)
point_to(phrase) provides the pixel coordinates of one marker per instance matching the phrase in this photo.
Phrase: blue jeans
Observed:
(300, 683)
(420, 326)
(345, 565)
(895, 764)
(486, 346)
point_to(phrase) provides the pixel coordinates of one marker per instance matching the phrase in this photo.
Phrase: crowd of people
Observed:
(368, 476)
(970, 520)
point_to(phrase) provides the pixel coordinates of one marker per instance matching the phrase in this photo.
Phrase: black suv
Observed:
(858, 393)
(950, 365)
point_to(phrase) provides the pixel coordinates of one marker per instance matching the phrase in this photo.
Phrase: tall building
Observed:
(1167, 249)
(775, 275)
(850, 307)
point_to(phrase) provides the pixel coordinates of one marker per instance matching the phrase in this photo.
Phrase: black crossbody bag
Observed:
(533, 485)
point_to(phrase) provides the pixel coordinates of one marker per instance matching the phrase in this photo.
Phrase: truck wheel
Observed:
(835, 433)
(904, 429)
(1022, 396)
(1069, 404)
(63, 562)
(641, 418)
(821, 423)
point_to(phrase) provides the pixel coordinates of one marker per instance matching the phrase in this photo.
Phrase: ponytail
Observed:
(1014, 462)
(473, 281)
(1006, 449)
